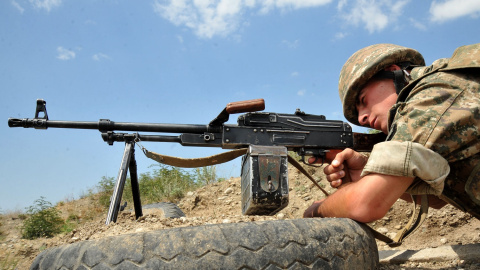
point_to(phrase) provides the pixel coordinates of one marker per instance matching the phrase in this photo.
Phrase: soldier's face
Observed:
(374, 103)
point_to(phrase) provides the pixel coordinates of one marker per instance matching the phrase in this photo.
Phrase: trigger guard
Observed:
(314, 162)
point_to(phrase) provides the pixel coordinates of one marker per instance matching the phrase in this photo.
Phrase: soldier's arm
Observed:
(365, 200)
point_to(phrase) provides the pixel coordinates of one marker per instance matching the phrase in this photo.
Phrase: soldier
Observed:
(431, 115)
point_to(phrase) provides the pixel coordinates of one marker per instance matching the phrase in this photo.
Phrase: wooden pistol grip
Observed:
(246, 106)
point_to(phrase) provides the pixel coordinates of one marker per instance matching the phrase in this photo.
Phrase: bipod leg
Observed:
(127, 161)
(137, 204)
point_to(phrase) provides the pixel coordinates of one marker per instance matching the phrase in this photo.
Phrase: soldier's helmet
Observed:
(363, 65)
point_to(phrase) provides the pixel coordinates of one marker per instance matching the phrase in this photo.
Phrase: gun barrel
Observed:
(105, 125)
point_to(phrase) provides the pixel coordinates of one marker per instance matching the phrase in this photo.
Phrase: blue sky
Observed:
(182, 62)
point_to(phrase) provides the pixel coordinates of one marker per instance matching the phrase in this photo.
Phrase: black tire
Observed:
(279, 244)
(170, 210)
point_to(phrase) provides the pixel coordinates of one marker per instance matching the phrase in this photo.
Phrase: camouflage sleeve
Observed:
(412, 160)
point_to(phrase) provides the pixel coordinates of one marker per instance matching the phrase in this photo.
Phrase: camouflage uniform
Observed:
(434, 131)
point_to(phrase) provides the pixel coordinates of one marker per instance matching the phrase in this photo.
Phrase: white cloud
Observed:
(208, 18)
(340, 35)
(417, 24)
(100, 56)
(64, 54)
(291, 44)
(180, 39)
(283, 5)
(295, 74)
(374, 15)
(18, 6)
(46, 4)
(301, 92)
(442, 11)
(341, 4)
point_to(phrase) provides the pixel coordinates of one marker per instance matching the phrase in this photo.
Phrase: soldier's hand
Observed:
(346, 166)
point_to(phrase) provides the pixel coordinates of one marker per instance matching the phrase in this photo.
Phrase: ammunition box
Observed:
(264, 180)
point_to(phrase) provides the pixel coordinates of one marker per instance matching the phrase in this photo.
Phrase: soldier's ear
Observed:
(392, 68)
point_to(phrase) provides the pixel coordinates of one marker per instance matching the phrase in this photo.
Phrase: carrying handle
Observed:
(253, 105)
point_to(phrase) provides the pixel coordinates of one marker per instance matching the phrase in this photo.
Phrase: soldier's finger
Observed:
(329, 169)
(341, 157)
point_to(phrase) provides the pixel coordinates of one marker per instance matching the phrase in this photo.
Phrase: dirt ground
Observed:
(221, 203)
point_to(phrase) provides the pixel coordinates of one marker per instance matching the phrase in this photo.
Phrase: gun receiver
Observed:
(266, 135)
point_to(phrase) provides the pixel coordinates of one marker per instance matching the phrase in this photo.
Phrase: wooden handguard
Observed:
(253, 105)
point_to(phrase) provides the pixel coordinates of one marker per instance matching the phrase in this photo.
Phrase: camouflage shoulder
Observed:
(465, 57)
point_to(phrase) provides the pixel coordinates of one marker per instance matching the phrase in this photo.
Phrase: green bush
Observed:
(70, 223)
(206, 175)
(105, 189)
(43, 220)
(163, 183)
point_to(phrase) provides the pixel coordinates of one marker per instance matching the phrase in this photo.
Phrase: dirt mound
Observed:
(221, 203)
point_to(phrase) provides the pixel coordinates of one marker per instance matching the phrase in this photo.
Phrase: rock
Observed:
(392, 234)
(152, 212)
(382, 230)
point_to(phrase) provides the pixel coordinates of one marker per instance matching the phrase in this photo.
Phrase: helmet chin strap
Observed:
(400, 77)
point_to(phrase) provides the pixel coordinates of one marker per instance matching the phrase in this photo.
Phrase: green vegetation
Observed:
(104, 190)
(206, 175)
(43, 221)
(164, 183)
(72, 221)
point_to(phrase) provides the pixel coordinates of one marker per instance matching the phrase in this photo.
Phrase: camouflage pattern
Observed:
(412, 160)
(455, 190)
(465, 57)
(363, 65)
(440, 109)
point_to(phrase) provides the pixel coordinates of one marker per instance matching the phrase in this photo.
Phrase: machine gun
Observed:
(262, 138)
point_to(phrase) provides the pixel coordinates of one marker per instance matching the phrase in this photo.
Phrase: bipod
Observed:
(128, 163)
